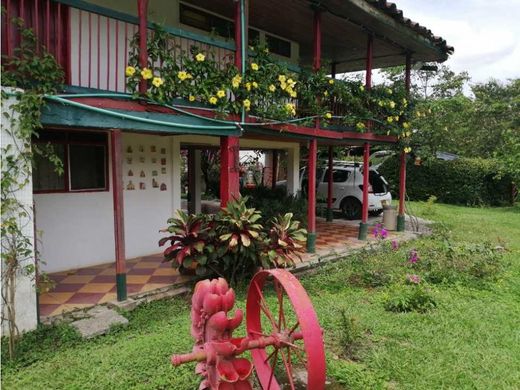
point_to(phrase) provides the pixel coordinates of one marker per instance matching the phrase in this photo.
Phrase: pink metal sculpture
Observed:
(282, 330)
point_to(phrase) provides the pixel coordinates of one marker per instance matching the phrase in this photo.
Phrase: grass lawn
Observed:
(470, 339)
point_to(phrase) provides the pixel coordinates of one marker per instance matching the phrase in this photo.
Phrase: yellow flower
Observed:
(146, 74)
(213, 100)
(361, 88)
(281, 78)
(360, 125)
(266, 50)
(235, 81)
(328, 115)
(191, 98)
(254, 66)
(325, 93)
(380, 103)
(200, 57)
(272, 88)
(392, 104)
(389, 91)
(407, 149)
(418, 114)
(289, 90)
(221, 93)
(247, 104)
(189, 76)
(182, 75)
(331, 81)
(408, 134)
(291, 83)
(283, 85)
(254, 84)
(405, 101)
(248, 86)
(390, 119)
(130, 70)
(396, 118)
(157, 81)
(289, 107)
(294, 94)
(406, 125)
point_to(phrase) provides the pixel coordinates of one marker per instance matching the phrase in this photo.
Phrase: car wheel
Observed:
(375, 213)
(351, 208)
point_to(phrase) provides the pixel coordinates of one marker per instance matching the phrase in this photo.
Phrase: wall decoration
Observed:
(141, 159)
(163, 150)
(155, 184)
(154, 160)
(142, 174)
(142, 186)
(130, 186)
(153, 149)
(129, 149)
(130, 172)
(163, 170)
(141, 148)
(163, 187)
(163, 161)
(129, 160)
(154, 173)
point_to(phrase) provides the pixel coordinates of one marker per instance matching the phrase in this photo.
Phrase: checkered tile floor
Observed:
(86, 287)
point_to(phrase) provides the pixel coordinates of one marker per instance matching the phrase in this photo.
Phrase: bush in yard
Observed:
(274, 202)
(413, 296)
(232, 244)
(466, 181)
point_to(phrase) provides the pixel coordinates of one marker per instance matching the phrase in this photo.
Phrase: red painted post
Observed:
(363, 225)
(274, 175)
(142, 7)
(330, 212)
(116, 145)
(238, 35)
(402, 168)
(229, 169)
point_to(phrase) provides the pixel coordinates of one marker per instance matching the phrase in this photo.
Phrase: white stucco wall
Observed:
(25, 299)
(77, 229)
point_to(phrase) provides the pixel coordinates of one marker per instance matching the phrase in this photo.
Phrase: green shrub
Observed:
(466, 181)
(410, 297)
(274, 202)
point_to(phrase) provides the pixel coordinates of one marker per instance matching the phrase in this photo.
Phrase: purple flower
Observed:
(384, 233)
(376, 232)
(415, 279)
(395, 245)
(413, 257)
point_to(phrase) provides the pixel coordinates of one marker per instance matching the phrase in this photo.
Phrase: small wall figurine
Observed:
(142, 186)
(163, 187)
(141, 148)
(163, 150)
(154, 160)
(142, 174)
(153, 149)
(141, 159)
(154, 173)
(163, 161)
(155, 184)
(130, 172)
(163, 170)
(129, 160)
(129, 149)
(130, 186)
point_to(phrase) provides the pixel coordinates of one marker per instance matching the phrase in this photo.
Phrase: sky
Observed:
(485, 33)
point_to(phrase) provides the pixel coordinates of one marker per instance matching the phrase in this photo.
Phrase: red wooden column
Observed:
(142, 9)
(313, 144)
(230, 146)
(116, 145)
(274, 176)
(363, 225)
(402, 167)
(330, 211)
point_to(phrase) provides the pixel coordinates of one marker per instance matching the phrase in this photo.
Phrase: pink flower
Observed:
(384, 233)
(395, 245)
(415, 279)
(413, 257)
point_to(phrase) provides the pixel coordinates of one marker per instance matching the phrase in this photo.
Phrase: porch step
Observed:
(100, 321)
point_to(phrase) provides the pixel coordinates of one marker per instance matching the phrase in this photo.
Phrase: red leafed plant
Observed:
(286, 240)
(189, 241)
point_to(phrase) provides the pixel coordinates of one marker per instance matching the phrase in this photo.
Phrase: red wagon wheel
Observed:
(293, 323)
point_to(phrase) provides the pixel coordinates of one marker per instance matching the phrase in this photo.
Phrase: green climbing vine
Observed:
(27, 75)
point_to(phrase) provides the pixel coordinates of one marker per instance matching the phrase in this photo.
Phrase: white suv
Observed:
(347, 188)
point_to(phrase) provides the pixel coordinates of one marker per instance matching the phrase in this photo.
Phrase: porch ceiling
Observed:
(345, 24)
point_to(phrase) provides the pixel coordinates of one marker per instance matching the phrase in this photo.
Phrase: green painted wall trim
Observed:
(121, 287)
(400, 223)
(330, 215)
(86, 6)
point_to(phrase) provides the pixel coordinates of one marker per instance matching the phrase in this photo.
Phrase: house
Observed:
(122, 167)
